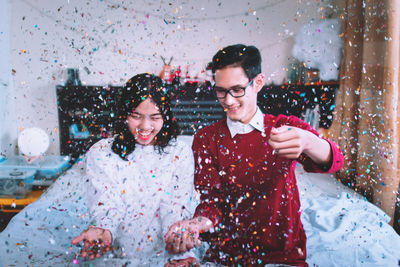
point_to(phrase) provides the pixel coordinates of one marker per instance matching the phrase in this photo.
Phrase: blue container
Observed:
(46, 167)
(16, 182)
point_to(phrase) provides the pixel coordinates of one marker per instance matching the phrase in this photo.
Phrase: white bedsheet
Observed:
(342, 228)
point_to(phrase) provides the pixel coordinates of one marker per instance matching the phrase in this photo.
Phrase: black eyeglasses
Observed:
(236, 91)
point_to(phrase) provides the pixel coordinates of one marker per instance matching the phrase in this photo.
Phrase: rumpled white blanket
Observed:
(40, 234)
(342, 228)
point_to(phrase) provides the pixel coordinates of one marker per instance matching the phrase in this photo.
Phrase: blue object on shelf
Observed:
(74, 132)
(15, 181)
(46, 167)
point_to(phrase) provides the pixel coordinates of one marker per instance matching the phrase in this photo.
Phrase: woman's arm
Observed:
(183, 235)
(104, 189)
(181, 199)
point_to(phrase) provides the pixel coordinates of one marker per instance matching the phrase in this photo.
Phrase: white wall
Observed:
(114, 42)
(8, 128)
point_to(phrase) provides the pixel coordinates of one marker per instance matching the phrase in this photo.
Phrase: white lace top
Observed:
(137, 200)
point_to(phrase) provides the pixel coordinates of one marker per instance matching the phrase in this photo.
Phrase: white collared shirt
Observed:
(237, 127)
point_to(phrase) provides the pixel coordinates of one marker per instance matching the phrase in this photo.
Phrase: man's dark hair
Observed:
(239, 55)
(136, 90)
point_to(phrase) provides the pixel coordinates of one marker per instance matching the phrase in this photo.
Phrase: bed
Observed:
(343, 229)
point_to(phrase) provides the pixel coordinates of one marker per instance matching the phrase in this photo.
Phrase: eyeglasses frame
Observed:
(229, 91)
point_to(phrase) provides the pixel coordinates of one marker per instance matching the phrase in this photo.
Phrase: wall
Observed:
(110, 42)
(8, 129)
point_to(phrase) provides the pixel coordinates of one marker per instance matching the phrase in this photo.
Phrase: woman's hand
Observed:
(188, 262)
(184, 235)
(97, 241)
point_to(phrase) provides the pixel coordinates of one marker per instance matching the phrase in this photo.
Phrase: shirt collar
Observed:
(236, 127)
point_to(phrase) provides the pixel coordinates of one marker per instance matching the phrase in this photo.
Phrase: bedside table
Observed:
(11, 205)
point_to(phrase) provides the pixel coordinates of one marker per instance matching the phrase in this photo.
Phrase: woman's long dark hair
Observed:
(136, 90)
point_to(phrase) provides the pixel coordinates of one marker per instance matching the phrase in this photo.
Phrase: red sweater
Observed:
(251, 195)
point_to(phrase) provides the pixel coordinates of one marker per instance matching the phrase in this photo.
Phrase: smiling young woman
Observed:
(140, 181)
(144, 116)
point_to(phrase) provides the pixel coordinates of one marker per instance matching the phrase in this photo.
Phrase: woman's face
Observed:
(145, 122)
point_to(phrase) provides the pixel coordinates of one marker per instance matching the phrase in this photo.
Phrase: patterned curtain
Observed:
(367, 110)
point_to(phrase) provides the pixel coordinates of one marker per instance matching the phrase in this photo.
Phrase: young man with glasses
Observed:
(245, 173)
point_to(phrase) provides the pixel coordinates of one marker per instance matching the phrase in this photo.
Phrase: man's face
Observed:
(241, 108)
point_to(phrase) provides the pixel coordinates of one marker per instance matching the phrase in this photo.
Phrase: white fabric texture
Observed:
(41, 233)
(342, 228)
(142, 196)
(139, 199)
